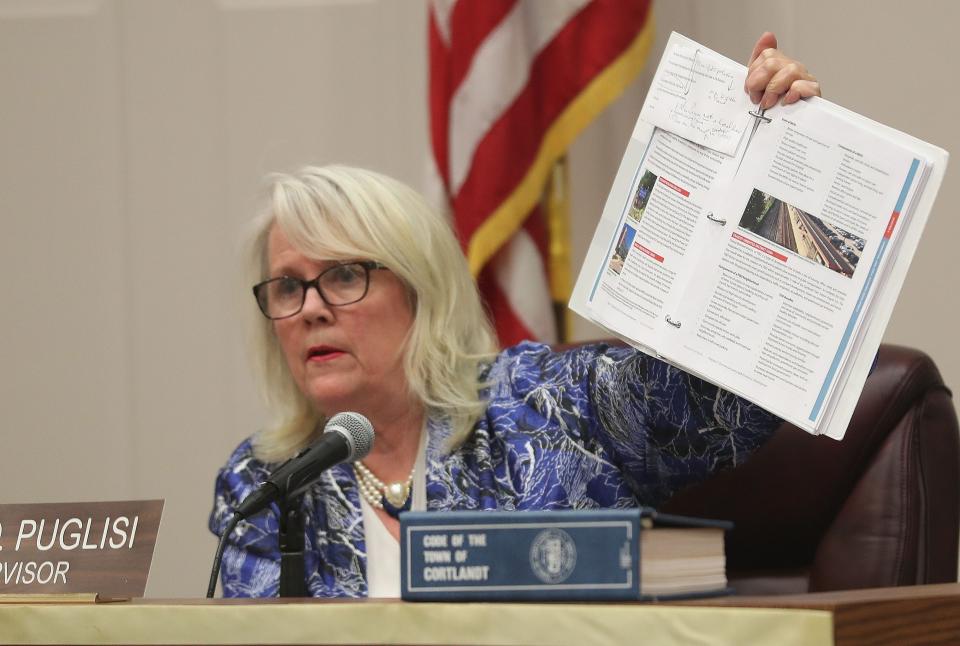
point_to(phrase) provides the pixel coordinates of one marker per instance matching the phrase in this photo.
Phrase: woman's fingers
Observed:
(783, 81)
(801, 90)
(767, 40)
(772, 77)
(763, 67)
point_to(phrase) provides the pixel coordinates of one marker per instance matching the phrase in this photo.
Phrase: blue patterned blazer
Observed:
(593, 427)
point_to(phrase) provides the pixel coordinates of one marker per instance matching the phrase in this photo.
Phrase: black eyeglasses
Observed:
(341, 284)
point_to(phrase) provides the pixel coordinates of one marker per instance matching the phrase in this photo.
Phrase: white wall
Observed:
(133, 136)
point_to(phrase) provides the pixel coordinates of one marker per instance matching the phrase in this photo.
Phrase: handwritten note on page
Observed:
(698, 94)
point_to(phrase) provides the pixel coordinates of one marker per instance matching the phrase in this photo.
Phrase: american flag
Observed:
(512, 83)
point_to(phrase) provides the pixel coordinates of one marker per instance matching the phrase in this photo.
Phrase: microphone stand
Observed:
(292, 571)
(352, 436)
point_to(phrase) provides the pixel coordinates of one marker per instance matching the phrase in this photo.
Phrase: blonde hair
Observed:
(339, 212)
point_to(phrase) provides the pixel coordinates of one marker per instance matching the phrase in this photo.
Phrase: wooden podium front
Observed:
(911, 615)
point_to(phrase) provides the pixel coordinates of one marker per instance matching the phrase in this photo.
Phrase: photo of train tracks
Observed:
(801, 233)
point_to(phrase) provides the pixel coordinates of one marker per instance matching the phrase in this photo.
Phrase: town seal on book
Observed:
(553, 555)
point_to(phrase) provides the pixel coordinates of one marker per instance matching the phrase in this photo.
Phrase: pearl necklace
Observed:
(392, 498)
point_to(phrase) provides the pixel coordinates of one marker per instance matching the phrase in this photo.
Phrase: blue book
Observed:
(585, 555)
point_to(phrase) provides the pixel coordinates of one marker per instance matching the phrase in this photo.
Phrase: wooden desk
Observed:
(922, 614)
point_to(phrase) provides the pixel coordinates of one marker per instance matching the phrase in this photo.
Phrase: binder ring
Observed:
(713, 218)
(669, 320)
(757, 113)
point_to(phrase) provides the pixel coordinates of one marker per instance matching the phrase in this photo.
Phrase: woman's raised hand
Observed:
(772, 76)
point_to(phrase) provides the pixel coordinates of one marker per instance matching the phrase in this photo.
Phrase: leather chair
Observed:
(881, 508)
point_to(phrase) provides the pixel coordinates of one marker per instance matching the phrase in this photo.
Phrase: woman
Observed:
(368, 306)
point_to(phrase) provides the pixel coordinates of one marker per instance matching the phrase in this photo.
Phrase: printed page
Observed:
(919, 204)
(601, 245)
(660, 210)
(656, 245)
(811, 216)
(772, 272)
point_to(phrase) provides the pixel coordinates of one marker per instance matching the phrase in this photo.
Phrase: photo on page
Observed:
(642, 196)
(622, 249)
(802, 233)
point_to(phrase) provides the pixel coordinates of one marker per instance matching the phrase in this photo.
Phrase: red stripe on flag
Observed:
(440, 92)
(510, 329)
(583, 48)
(470, 24)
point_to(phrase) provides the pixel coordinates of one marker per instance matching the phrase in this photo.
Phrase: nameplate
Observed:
(103, 548)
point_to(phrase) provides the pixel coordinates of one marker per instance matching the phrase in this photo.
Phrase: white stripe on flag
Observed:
(434, 191)
(441, 14)
(520, 274)
(498, 74)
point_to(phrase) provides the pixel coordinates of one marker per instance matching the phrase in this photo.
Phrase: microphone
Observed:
(346, 437)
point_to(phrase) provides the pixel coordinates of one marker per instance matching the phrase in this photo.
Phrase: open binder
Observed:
(760, 250)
